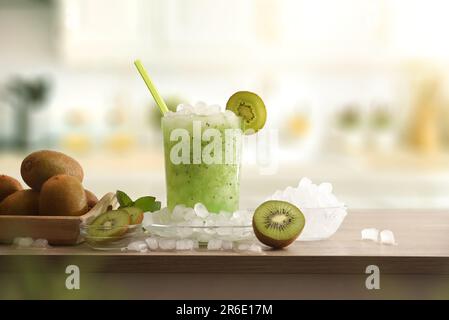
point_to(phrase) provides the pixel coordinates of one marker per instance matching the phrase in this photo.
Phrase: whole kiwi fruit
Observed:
(92, 199)
(40, 166)
(22, 202)
(62, 195)
(8, 186)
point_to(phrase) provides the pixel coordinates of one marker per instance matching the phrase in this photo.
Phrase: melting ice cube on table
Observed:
(167, 244)
(152, 243)
(370, 234)
(227, 245)
(184, 244)
(139, 246)
(23, 242)
(387, 237)
(40, 243)
(214, 244)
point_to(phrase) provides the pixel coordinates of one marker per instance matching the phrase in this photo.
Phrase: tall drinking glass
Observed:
(202, 160)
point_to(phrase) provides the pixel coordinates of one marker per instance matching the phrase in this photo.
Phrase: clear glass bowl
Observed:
(124, 236)
(321, 223)
(202, 233)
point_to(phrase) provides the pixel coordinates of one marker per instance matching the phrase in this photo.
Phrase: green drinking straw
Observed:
(159, 101)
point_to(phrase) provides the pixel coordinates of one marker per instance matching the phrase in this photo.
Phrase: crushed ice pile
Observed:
(199, 109)
(372, 234)
(200, 217)
(168, 244)
(213, 112)
(186, 228)
(324, 213)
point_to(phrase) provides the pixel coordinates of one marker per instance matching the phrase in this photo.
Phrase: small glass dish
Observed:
(321, 223)
(123, 236)
(201, 233)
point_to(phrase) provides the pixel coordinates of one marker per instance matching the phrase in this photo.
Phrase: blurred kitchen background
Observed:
(358, 89)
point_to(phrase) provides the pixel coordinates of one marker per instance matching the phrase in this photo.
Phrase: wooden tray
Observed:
(58, 230)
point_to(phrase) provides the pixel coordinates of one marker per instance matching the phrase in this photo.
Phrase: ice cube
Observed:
(162, 216)
(139, 246)
(201, 210)
(196, 222)
(387, 237)
(185, 109)
(188, 244)
(214, 244)
(230, 116)
(148, 219)
(152, 243)
(227, 245)
(224, 231)
(178, 212)
(214, 109)
(183, 232)
(278, 195)
(370, 234)
(223, 216)
(325, 187)
(305, 183)
(180, 245)
(189, 214)
(40, 243)
(201, 108)
(23, 242)
(184, 244)
(167, 244)
(241, 218)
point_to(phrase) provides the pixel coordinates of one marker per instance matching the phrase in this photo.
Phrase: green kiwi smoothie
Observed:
(202, 158)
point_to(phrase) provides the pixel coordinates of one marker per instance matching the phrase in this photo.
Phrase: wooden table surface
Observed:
(422, 237)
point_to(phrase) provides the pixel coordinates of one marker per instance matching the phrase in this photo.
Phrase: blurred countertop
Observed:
(364, 182)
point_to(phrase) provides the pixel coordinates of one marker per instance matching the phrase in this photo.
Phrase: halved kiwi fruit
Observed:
(277, 223)
(135, 214)
(112, 223)
(250, 107)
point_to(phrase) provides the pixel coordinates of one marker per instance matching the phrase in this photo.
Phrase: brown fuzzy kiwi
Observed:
(40, 166)
(8, 186)
(92, 199)
(62, 195)
(22, 202)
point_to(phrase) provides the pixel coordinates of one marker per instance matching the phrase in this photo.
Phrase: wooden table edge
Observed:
(246, 264)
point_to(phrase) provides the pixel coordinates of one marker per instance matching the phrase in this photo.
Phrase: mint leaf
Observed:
(156, 207)
(147, 204)
(123, 199)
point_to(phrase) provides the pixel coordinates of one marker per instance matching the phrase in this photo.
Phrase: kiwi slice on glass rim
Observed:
(250, 107)
(113, 223)
(277, 223)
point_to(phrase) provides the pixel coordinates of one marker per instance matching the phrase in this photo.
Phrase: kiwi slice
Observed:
(112, 223)
(250, 107)
(135, 214)
(277, 223)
